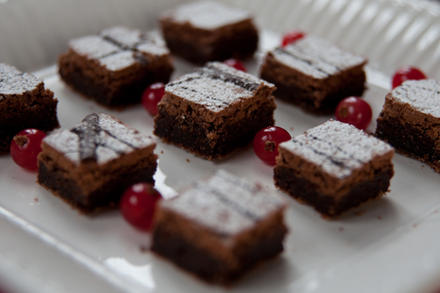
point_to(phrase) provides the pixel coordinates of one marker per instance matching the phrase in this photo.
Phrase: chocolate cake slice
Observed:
(314, 74)
(410, 120)
(334, 167)
(92, 164)
(115, 67)
(214, 111)
(220, 228)
(24, 103)
(207, 31)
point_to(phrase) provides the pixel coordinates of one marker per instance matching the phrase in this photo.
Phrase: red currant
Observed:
(266, 143)
(407, 73)
(25, 147)
(355, 111)
(152, 96)
(291, 37)
(138, 204)
(236, 64)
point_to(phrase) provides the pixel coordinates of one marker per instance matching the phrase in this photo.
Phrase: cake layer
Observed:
(92, 164)
(115, 67)
(24, 103)
(237, 224)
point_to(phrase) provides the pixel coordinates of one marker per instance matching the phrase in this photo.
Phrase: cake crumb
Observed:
(161, 152)
(435, 212)
(379, 217)
(341, 229)
(36, 199)
(415, 225)
(144, 249)
(187, 160)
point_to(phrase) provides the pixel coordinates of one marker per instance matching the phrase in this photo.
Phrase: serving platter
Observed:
(391, 237)
(390, 245)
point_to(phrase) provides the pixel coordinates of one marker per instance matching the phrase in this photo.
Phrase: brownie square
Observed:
(24, 103)
(214, 111)
(91, 165)
(334, 167)
(207, 31)
(115, 67)
(314, 74)
(410, 120)
(221, 228)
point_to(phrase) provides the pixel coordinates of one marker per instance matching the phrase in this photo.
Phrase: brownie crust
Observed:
(198, 45)
(212, 138)
(33, 109)
(109, 88)
(208, 258)
(304, 190)
(317, 96)
(91, 165)
(411, 132)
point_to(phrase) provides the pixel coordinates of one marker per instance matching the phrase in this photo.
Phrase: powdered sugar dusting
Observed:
(208, 14)
(123, 36)
(216, 86)
(117, 47)
(225, 203)
(14, 82)
(93, 47)
(118, 61)
(423, 95)
(112, 141)
(316, 57)
(338, 148)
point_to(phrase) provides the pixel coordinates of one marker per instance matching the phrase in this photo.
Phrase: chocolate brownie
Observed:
(221, 228)
(24, 103)
(116, 66)
(334, 167)
(314, 74)
(92, 164)
(410, 120)
(206, 31)
(214, 111)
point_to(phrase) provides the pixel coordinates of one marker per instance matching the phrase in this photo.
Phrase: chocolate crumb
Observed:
(379, 217)
(36, 199)
(341, 229)
(161, 152)
(187, 160)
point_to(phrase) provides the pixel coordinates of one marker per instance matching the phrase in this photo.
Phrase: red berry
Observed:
(355, 111)
(266, 143)
(25, 147)
(236, 64)
(152, 96)
(138, 204)
(407, 73)
(291, 37)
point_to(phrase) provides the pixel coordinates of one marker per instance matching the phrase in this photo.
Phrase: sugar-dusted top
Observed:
(118, 61)
(225, 204)
(133, 39)
(15, 82)
(423, 95)
(316, 57)
(216, 86)
(123, 36)
(93, 47)
(338, 148)
(208, 14)
(119, 47)
(99, 138)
